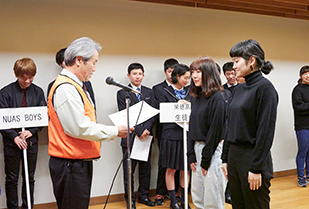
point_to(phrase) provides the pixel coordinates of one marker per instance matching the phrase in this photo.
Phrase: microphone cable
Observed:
(114, 178)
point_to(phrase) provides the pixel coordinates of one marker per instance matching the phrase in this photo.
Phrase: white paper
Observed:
(120, 118)
(140, 149)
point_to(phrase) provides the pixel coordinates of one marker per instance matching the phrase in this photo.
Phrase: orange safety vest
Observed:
(62, 145)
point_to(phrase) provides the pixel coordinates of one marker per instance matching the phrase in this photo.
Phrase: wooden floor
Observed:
(284, 194)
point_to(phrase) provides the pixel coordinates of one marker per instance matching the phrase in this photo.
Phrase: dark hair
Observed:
(134, 66)
(170, 63)
(228, 66)
(180, 69)
(60, 56)
(218, 68)
(248, 48)
(303, 69)
(211, 82)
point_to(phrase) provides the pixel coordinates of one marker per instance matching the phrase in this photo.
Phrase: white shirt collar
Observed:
(168, 83)
(135, 87)
(71, 75)
(229, 85)
(176, 88)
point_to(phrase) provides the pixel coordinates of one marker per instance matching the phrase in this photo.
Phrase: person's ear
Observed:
(252, 62)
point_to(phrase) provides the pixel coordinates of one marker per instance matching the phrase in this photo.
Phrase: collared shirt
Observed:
(168, 83)
(71, 113)
(229, 85)
(135, 88)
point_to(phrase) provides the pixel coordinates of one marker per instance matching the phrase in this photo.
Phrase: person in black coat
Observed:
(300, 101)
(21, 93)
(251, 126)
(206, 129)
(171, 146)
(161, 191)
(136, 75)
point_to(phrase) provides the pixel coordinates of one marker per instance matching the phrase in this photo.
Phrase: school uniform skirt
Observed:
(171, 154)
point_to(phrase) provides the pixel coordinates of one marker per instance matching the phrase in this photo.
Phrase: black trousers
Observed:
(239, 160)
(71, 182)
(144, 170)
(12, 159)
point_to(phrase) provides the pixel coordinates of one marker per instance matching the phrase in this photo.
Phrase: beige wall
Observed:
(147, 33)
(134, 28)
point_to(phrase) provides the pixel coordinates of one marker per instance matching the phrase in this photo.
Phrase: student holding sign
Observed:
(205, 135)
(21, 93)
(171, 146)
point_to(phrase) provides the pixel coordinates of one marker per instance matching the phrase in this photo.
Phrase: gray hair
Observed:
(84, 47)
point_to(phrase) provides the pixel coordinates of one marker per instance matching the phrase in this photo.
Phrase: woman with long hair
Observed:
(206, 128)
(251, 126)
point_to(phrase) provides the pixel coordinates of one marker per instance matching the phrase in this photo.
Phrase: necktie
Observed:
(24, 99)
(180, 93)
(85, 89)
(138, 95)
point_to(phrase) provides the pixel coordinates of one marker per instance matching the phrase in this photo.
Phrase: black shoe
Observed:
(228, 199)
(159, 200)
(183, 206)
(178, 198)
(146, 201)
(176, 206)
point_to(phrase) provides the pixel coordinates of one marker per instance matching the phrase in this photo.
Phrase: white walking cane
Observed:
(26, 175)
(185, 162)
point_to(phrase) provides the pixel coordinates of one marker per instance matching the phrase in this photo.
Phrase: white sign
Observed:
(23, 117)
(174, 112)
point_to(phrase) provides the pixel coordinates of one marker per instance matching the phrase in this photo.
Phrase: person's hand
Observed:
(21, 143)
(122, 131)
(144, 134)
(224, 170)
(204, 172)
(193, 166)
(25, 134)
(182, 101)
(254, 180)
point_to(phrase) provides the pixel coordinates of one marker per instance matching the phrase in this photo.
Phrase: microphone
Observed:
(111, 81)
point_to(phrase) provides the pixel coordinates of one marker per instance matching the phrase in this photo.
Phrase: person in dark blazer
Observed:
(61, 63)
(21, 93)
(171, 146)
(136, 75)
(161, 191)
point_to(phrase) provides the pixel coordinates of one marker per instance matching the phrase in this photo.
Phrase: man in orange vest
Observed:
(74, 134)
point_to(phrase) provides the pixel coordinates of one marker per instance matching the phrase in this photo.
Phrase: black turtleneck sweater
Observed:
(206, 125)
(300, 101)
(252, 117)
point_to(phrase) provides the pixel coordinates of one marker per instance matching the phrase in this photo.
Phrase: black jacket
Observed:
(149, 99)
(10, 97)
(172, 131)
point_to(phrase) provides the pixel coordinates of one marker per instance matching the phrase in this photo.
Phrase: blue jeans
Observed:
(302, 158)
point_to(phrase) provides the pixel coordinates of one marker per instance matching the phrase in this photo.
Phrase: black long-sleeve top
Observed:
(10, 97)
(206, 125)
(252, 118)
(172, 131)
(300, 101)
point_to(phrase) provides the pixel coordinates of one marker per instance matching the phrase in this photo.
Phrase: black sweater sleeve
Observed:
(267, 100)
(214, 135)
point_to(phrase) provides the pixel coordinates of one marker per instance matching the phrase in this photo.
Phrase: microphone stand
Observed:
(129, 169)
